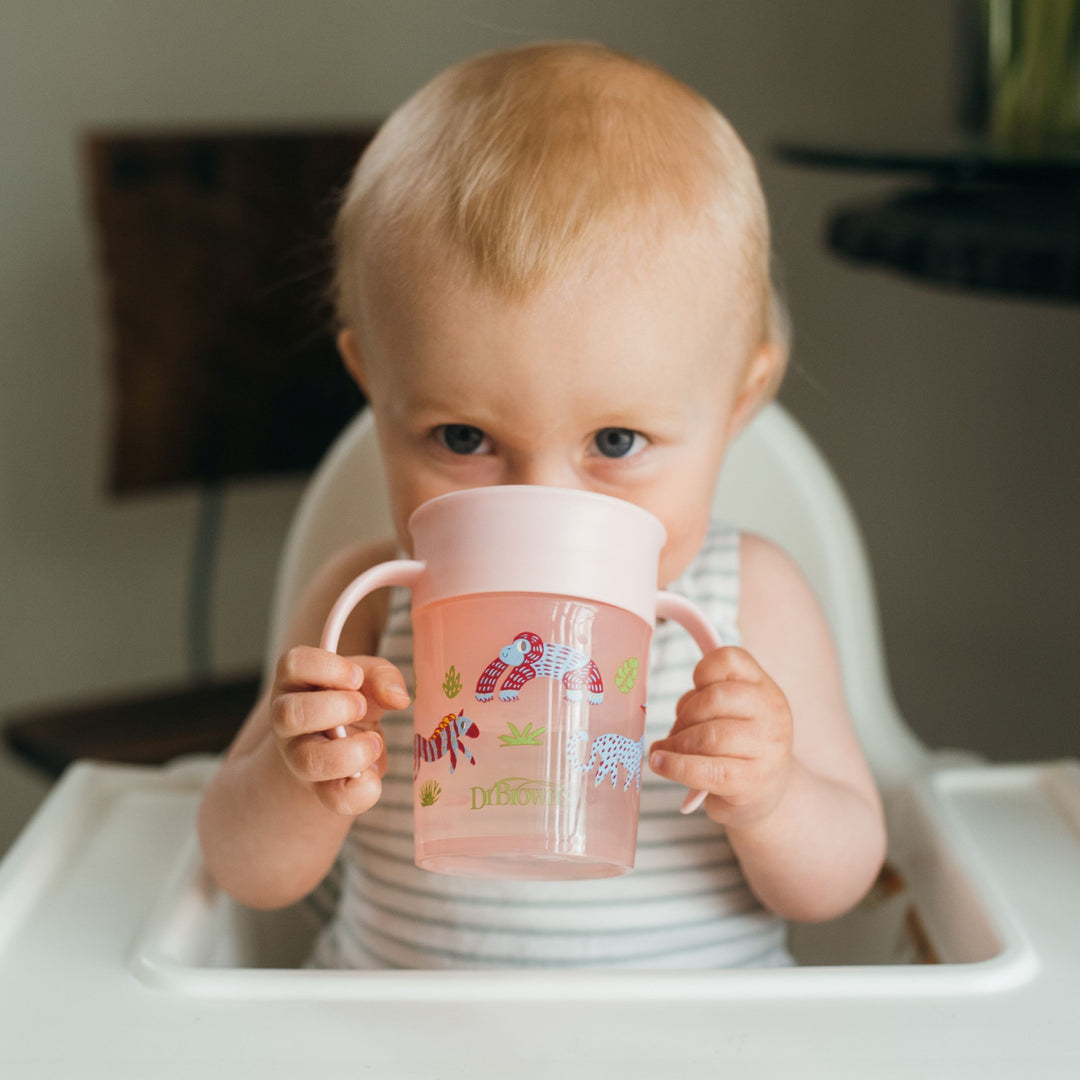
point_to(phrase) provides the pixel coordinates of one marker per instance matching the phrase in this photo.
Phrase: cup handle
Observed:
(396, 572)
(691, 618)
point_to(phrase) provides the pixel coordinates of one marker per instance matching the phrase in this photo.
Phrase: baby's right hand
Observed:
(316, 691)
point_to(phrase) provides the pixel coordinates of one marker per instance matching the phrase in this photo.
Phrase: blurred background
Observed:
(139, 529)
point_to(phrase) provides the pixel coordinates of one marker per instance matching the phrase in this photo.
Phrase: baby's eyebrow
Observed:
(644, 420)
(429, 412)
(425, 403)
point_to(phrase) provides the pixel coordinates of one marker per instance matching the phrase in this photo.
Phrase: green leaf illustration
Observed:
(528, 736)
(430, 792)
(452, 683)
(626, 675)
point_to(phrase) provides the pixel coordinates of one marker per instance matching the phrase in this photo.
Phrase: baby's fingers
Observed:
(383, 683)
(715, 701)
(351, 796)
(315, 759)
(728, 663)
(719, 738)
(296, 714)
(716, 775)
(305, 668)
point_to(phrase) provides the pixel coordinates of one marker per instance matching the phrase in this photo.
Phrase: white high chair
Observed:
(118, 957)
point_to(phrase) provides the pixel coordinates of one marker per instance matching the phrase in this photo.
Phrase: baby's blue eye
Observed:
(616, 442)
(460, 438)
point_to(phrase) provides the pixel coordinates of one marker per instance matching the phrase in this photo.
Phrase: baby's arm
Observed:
(767, 732)
(273, 818)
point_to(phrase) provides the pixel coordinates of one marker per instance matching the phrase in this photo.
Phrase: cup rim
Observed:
(538, 491)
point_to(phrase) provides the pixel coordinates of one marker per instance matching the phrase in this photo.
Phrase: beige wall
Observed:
(948, 417)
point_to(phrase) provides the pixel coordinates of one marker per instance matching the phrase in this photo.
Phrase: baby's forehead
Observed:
(705, 257)
(608, 349)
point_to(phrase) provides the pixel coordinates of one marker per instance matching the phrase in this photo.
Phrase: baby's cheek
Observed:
(685, 538)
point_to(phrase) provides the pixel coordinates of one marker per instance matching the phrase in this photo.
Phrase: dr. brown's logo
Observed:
(519, 791)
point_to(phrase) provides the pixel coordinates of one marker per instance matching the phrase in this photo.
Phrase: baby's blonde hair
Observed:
(522, 164)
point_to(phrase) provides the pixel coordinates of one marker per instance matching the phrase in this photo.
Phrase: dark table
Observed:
(982, 218)
(147, 730)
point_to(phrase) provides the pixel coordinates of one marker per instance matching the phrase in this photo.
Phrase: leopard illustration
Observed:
(609, 752)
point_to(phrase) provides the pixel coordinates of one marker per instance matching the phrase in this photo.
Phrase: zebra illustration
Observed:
(445, 739)
(608, 753)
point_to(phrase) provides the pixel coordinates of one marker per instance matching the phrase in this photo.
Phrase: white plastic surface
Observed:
(118, 959)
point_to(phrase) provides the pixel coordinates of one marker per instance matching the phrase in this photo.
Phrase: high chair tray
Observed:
(118, 958)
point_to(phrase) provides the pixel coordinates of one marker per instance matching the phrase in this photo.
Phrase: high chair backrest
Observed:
(775, 482)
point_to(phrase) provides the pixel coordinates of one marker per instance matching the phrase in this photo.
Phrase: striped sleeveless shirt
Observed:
(685, 905)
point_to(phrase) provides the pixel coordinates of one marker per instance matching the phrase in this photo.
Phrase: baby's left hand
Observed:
(732, 738)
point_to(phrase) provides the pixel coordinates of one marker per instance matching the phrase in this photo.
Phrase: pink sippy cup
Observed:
(533, 609)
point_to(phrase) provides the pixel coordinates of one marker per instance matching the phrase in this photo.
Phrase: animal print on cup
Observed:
(608, 753)
(445, 739)
(528, 656)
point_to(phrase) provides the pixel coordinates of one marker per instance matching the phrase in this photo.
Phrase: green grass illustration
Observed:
(626, 675)
(452, 683)
(430, 792)
(528, 736)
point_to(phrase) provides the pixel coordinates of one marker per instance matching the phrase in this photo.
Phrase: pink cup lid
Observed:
(529, 538)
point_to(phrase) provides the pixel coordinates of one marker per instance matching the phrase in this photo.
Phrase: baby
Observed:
(553, 269)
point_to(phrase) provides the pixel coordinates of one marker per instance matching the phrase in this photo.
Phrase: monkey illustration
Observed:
(528, 656)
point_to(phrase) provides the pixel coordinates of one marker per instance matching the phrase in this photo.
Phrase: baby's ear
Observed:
(354, 360)
(760, 383)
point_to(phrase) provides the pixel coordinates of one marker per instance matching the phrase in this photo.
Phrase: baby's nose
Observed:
(543, 472)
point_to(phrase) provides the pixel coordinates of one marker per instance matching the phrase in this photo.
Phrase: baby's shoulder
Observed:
(353, 559)
(778, 608)
(760, 557)
(768, 575)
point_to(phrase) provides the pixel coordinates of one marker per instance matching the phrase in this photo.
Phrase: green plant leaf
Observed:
(452, 683)
(528, 736)
(430, 791)
(626, 675)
